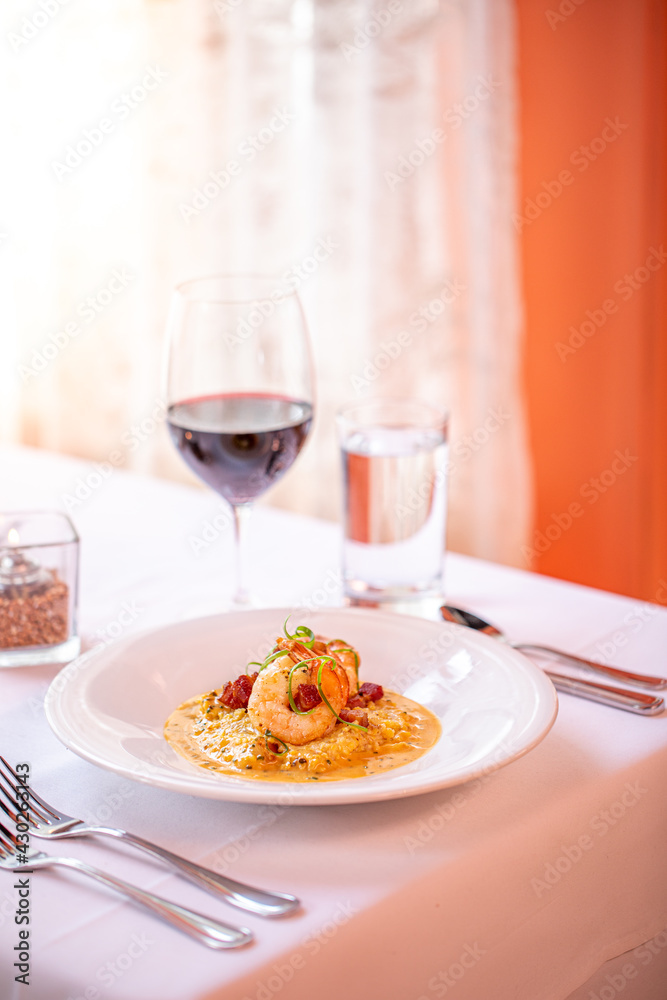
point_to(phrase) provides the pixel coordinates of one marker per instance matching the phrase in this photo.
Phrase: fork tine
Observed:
(5, 807)
(47, 814)
(8, 793)
(7, 843)
(10, 846)
(9, 768)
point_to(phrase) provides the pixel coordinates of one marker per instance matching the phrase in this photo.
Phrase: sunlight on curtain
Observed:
(367, 149)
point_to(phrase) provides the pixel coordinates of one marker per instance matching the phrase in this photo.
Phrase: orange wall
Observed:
(592, 92)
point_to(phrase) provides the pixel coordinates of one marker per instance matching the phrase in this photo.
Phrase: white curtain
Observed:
(367, 147)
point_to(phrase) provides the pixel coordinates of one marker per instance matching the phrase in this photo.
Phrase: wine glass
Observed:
(240, 388)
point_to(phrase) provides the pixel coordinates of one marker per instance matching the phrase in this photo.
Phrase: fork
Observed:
(212, 933)
(49, 824)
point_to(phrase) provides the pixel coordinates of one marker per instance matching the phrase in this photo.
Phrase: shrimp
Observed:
(269, 706)
(349, 660)
(341, 651)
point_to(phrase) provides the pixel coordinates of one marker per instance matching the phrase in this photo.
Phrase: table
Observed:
(520, 885)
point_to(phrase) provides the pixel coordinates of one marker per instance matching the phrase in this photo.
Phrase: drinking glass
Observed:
(395, 463)
(239, 388)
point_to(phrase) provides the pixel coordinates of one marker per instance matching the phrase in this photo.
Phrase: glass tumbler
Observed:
(39, 572)
(394, 454)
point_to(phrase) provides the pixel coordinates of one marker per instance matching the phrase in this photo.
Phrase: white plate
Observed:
(494, 705)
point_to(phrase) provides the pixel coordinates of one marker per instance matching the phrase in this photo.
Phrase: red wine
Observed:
(240, 444)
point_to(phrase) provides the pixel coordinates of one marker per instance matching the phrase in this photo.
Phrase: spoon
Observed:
(631, 701)
(461, 617)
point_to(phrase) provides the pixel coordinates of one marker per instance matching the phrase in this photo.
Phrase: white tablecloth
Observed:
(520, 885)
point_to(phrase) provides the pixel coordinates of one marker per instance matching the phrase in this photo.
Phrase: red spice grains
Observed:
(37, 618)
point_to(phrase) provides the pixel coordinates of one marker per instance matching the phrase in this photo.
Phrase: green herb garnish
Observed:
(269, 735)
(348, 649)
(303, 634)
(321, 691)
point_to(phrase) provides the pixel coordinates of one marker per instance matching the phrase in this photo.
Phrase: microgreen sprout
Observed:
(269, 735)
(303, 634)
(324, 698)
(306, 637)
(348, 649)
(292, 702)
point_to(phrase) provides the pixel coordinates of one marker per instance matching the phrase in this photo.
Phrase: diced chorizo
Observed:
(367, 693)
(306, 697)
(236, 694)
(356, 701)
(371, 691)
(357, 715)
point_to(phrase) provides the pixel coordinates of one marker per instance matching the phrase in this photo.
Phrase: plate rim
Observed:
(341, 792)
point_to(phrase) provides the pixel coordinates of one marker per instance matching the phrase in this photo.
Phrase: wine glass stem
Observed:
(242, 514)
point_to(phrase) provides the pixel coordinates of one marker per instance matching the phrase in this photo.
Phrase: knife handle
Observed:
(630, 701)
(624, 676)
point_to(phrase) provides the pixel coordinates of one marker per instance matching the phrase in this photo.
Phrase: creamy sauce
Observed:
(224, 740)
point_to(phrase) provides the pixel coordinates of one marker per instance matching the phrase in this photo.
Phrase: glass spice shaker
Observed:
(39, 568)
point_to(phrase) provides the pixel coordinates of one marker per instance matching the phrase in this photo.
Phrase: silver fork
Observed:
(45, 822)
(212, 933)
